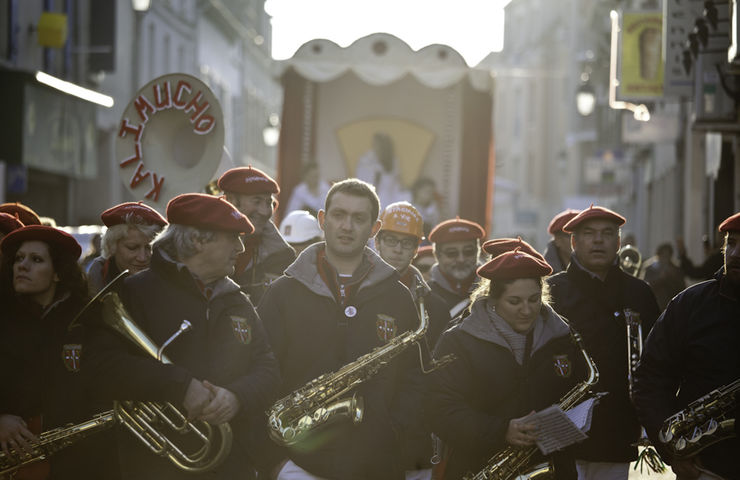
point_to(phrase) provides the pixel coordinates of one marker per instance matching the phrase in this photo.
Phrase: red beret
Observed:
(24, 214)
(137, 211)
(593, 213)
(558, 221)
(247, 180)
(497, 246)
(425, 251)
(207, 212)
(455, 230)
(514, 264)
(731, 224)
(65, 242)
(8, 223)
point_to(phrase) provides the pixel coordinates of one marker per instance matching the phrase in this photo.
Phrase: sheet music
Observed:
(557, 429)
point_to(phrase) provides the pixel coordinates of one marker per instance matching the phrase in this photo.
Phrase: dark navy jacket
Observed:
(227, 346)
(692, 350)
(594, 309)
(471, 401)
(313, 334)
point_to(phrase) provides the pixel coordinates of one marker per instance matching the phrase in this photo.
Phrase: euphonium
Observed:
(703, 422)
(317, 404)
(513, 462)
(51, 441)
(149, 421)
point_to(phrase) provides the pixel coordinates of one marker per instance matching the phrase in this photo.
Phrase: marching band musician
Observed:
(338, 301)
(593, 294)
(558, 248)
(43, 375)
(266, 253)
(456, 248)
(126, 244)
(692, 350)
(22, 212)
(514, 355)
(222, 369)
(397, 242)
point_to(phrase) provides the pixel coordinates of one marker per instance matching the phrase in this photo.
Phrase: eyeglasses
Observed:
(406, 243)
(467, 252)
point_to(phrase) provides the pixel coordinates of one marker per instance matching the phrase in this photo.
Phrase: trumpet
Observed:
(630, 259)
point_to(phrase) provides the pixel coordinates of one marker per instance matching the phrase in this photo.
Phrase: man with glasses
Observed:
(397, 242)
(456, 248)
(596, 296)
(266, 253)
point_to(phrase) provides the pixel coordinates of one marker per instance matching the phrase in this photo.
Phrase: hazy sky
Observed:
(472, 27)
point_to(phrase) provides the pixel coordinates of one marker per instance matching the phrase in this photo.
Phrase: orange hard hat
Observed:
(402, 217)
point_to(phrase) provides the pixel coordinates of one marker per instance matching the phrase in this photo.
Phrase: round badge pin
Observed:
(350, 311)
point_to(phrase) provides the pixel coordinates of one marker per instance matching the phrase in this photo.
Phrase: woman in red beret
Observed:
(514, 355)
(42, 289)
(126, 243)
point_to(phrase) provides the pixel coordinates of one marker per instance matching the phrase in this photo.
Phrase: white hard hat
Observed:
(300, 226)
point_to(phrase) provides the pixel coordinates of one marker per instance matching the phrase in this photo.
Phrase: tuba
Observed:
(630, 259)
(302, 414)
(703, 422)
(517, 462)
(161, 426)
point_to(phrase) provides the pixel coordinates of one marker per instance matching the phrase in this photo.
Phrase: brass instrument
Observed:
(51, 441)
(647, 455)
(516, 462)
(316, 405)
(149, 421)
(703, 422)
(630, 259)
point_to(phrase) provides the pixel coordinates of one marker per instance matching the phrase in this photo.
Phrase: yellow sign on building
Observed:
(642, 56)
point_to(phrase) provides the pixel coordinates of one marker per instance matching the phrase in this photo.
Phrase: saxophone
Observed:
(318, 404)
(513, 461)
(51, 441)
(703, 422)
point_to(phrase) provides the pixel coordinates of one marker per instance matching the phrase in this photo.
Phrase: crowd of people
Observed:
(295, 351)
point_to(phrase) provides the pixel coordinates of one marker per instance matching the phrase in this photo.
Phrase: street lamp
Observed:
(585, 99)
(271, 132)
(141, 5)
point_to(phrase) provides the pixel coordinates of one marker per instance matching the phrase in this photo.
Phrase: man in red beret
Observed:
(456, 248)
(337, 302)
(692, 350)
(266, 253)
(397, 241)
(558, 250)
(25, 214)
(223, 369)
(126, 243)
(596, 297)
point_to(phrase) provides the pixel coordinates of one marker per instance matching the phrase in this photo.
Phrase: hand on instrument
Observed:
(14, 434)
(521, 432)
(223, 406)
(685, 469)
(197, 397)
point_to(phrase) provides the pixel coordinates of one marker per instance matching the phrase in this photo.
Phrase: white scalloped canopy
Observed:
(381, 58)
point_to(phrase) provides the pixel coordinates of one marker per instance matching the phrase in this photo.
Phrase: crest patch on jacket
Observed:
(72, 356)
(386, 327)
(241, 329)
(562, 366)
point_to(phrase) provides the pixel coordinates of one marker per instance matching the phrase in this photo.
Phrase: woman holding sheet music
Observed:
(514, 356)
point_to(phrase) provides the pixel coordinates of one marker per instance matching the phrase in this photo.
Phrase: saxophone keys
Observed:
(680, 444)
(710, 427)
